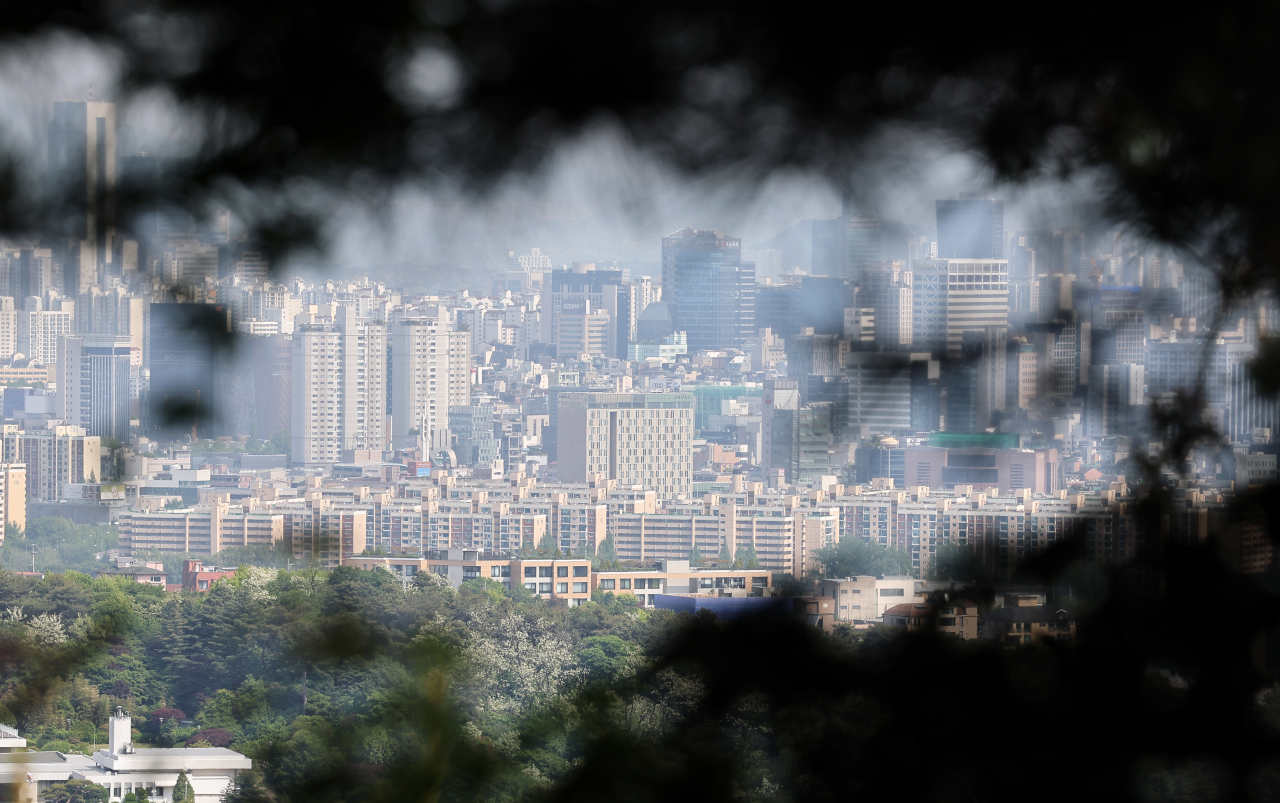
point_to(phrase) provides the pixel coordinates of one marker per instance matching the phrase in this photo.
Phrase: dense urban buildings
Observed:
(739, 403)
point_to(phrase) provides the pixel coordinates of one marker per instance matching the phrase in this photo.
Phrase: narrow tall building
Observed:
(420, 382)
(82, 165)
(886, 289)
(710, 289)
(339, 388)
(93, 384)
(638, 439)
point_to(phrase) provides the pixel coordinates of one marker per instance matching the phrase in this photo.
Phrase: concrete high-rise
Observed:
(339, 388)
(39, 328)
(420, 380)
(971, 228)
(886, 288)
(977, 294)
(710, 289)
(93, 384)
(861, 244)
(638, 439)
(82, 166)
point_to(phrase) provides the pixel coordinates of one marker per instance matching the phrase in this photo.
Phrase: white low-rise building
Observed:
(121, 768)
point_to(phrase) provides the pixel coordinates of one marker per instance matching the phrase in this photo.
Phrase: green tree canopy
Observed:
(855, 556)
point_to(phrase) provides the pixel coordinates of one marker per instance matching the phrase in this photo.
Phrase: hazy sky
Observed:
(598, 198)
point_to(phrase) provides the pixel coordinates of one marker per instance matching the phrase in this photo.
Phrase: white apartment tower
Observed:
(8, 328)
(421, 382)
(638, 439)
(40, 328)
(339, 388)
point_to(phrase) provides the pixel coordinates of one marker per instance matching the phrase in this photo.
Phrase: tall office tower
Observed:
(11, 272)
(971, 228)
(1021, 375)
(977, 298)
(472, 427)
(886, 288)
(861, 245)
(929, 283)
(82, 166)
(8, 328)
(1064, 353)
(1117, 392)
(780, 408)
(926, 393)
(459, 369)
(420, 349)
(40, 328)
(57, 456)
(1220, 371)
(339, 388)
(183, 343)
(271, 363)
(114, 312)
(638, 439)
(93, 384)
(977, 383)
(710, 288)
(575, 307)
(825, 258)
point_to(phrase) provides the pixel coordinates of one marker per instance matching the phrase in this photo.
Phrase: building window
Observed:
(544, 571)
(892, 592)
(607, 585)
(562, 588)
(530, 571)
(947, 621)
(532, 587)
(562, 571)
(544, 588)
(579, 588)
(580, 571)
(626, 584)
(500, 571)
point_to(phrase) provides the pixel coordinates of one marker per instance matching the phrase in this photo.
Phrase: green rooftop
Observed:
(976, 440)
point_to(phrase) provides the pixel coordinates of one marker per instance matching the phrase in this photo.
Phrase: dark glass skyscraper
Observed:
(971, 229)
(185, 341)
(710, 289)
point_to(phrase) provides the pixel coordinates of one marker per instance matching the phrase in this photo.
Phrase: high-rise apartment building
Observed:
(93, 384)
(977, 298)
(459, 369)
(420, 382)
(8, 328)
(56, 457)
(710, 289)
(39, 328)
(339, 388)
(643, 439)
(971, 228)
(82, 164)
